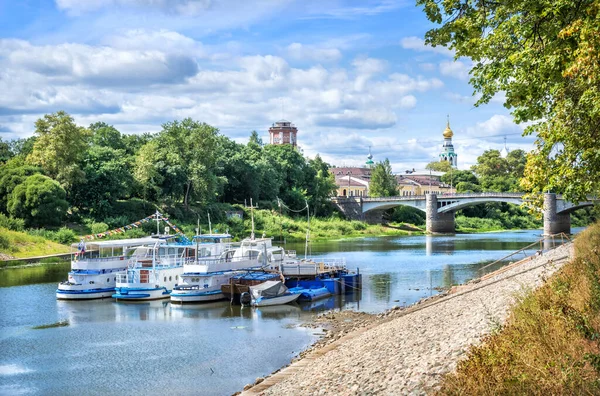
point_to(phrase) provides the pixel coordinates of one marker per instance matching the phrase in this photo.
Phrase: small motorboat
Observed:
(268, 293)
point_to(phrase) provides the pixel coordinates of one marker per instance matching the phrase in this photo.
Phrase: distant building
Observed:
(283, 132)
(448, 153)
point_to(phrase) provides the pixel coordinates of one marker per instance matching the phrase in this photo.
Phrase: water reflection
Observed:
(381, 286)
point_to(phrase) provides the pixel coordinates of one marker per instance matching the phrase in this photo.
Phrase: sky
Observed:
(349, 74)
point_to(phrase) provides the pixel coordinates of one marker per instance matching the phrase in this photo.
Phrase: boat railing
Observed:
(313, 266)
(290, 253)
(98, 258)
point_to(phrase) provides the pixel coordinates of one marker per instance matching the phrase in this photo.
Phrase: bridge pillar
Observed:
(350, 207)
(437, 223)
(555, 223)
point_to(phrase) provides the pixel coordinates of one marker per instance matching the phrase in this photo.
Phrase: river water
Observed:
(211, 349)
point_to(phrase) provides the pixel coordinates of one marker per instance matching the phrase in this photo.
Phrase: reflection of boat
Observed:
(202, 279)
(94, 268)
(153, 270)
(278, 311)
(268, 293)
(142, 310)
(320, 305)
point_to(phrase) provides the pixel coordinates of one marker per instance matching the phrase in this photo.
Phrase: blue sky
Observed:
(349, 74)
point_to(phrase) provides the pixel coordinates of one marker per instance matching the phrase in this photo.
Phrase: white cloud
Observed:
(312, 53)
(99, 65)
(456, 69)
(418, 44)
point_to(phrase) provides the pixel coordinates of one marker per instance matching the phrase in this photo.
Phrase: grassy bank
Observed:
(550, 343)
(20, 244)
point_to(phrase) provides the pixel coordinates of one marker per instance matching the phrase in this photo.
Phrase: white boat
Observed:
(94, 268)
(217, 262)
(269, 293)
(153, 270)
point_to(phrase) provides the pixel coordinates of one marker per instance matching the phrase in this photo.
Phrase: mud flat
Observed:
(407, 350)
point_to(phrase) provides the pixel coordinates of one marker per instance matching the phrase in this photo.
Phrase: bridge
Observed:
(440, 209)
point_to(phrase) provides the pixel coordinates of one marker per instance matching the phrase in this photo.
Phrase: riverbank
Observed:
(409, 350)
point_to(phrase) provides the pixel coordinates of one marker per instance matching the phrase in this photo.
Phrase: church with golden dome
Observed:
(448, 154)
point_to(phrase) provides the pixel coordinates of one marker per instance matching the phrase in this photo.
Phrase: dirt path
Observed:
(405, 351)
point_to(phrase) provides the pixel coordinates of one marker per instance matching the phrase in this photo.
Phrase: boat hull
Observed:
(87, 294)
(197, 297)
(279, 300)
(140, 294)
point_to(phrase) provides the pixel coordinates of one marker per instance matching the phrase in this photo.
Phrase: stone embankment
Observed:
(406, 351)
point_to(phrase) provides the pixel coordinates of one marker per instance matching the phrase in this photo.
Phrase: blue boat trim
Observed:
(130, 296)
(208, 293)
(86, 291)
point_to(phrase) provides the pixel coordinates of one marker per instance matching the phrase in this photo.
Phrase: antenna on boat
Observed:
(209, 225)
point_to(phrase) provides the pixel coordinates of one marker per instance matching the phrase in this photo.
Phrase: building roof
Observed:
(364, 173)
(342, 181)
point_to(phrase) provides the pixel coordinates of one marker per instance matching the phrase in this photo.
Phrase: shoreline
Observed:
(346, 360)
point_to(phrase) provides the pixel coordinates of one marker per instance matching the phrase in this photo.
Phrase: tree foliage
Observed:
(545, 56)
(383, 182)
(39, 200)
(59, 147)
(13, 173)
(439, 166)
(500, 174)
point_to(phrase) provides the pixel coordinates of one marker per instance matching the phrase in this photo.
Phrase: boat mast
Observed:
(307, 230)
(209, 225)
(252, 216)
(157, 223)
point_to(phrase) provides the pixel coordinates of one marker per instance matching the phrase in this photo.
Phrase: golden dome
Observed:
(448, 132)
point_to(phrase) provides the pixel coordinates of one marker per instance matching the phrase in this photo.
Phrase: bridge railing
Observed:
(447, 195)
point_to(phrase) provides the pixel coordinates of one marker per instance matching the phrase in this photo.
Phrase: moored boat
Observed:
(153, 270)
(268, 293)
(94, 268)
(203, 278)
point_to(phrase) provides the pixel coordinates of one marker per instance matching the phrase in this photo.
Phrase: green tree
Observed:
(321, 186)
(439, 166)
(5, 152)
(499, 174)
(105, 135)
(544, 56)
(108, 175)
(59, 147)
(184, 155)
(383, 182)
(459, 176)
(23, 146)
(39, 200)
(13, 173)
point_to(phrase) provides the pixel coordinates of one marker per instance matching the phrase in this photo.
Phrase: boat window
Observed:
(172, 251)
(165, 278)
(107, 280)
(115, 278)
(170, 278)
(176, 276)
(91, 282)
(161, 251)
(252, 254)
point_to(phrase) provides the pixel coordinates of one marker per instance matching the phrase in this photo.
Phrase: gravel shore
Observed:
(406, 351)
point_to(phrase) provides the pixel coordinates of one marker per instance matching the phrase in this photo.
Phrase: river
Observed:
(210, 349)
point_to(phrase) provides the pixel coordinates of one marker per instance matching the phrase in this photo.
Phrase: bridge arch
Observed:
(457, 205)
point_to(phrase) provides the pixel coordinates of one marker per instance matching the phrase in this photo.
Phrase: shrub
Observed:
(115, 222)
(65, 236)
(12, 223)
(97, 228)
(39, 200)
(4, 243)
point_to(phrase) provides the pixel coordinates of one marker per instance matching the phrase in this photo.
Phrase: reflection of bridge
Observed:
(440, 209)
